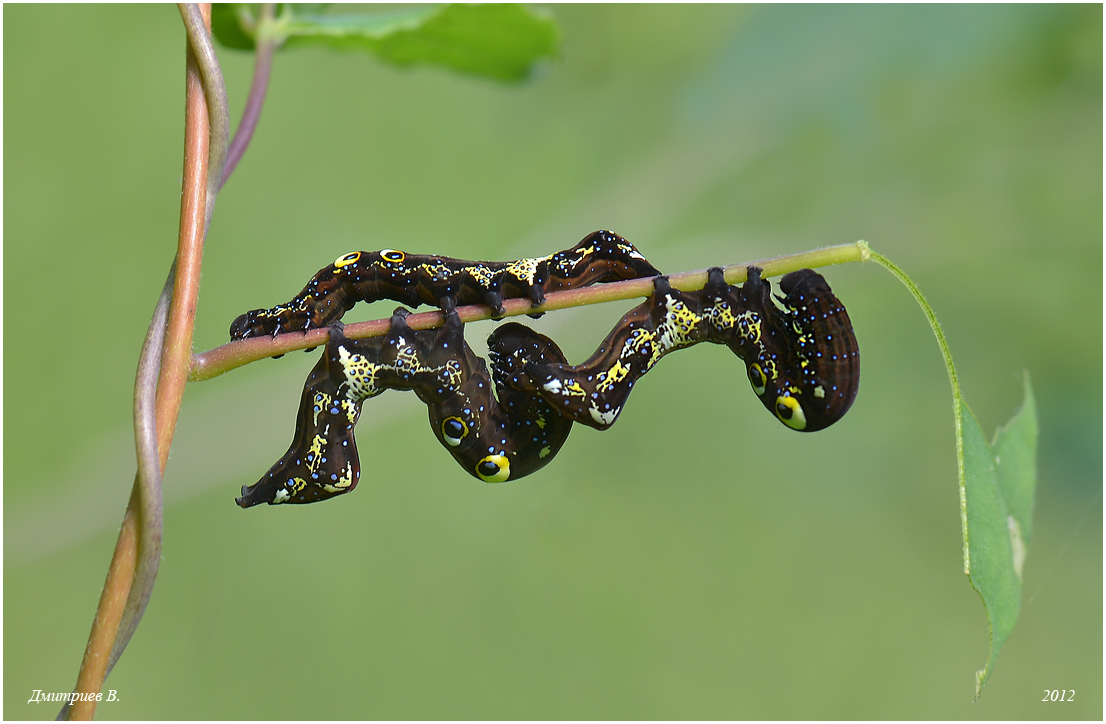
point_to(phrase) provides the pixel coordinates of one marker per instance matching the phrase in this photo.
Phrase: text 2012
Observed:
(1059, 695)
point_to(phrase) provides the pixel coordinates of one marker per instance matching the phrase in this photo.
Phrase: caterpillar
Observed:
(493, 438)
(367, 276)
(802, 360)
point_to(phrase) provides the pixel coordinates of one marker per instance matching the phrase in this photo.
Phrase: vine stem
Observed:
(266, 44)
(201, 54)
(138, 549)
(954, 381)
(163, 372)
(215, 362)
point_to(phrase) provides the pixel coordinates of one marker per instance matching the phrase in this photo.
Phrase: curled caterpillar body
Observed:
(802, 359)
(595, 392)
(505, 438)
(493, 439)
(411, 279)
(799, 349)
(322, 461)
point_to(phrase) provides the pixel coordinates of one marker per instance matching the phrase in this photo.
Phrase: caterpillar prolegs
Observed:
(801, 359)
(494, 437)
(367, 276)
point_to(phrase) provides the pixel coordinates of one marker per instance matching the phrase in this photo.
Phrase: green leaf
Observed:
(232, 25)
(997, 487)
(1015, 449)
(999, 481)
(503, 42)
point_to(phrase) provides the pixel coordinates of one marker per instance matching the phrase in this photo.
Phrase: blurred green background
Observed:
(697, 561)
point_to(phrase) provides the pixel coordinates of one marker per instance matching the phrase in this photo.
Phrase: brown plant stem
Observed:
(134, 564)
(215, 362)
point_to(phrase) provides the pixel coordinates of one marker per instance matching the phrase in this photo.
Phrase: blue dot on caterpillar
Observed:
(368, 276)
(801, 360)
(494, 437)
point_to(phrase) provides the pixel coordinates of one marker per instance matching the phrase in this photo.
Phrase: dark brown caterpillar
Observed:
(494, 440)
(367, 276)
(802, 360)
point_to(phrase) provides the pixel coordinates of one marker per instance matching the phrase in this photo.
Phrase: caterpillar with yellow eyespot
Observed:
(494, 436)
(801, 359)
(411, 279)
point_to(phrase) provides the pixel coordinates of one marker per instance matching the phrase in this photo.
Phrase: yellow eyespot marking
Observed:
(757, 379)
(350, 258)
(790, 412)
(493, 469)
(454, 430)
(392, 256)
